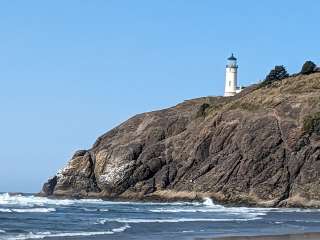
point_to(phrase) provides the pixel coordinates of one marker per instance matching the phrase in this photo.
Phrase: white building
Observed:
(231, 87)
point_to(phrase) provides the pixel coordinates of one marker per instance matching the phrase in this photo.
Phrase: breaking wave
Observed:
(5, 210)
(175, 220)
(121, 229)
(41, 235)
(206, 210)
(34, 210)
(208, 206)
(27, 210)
(31, 200)
(208, 202)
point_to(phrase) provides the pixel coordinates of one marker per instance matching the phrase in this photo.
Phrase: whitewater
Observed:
(25, 216)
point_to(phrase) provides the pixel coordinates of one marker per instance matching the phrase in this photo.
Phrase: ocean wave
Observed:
(11, 201)
(2, 231)
(101, 221)
(121, 229)
(206, 210)
(105, 202)
(5, 210)
(41, 235)
(307, 221)
(209, 207)
(208, 202)
(90, 209)
(164, 210)
(30, 201)
(95, 209)
(27, 210)
(174, 220)
(33, 210)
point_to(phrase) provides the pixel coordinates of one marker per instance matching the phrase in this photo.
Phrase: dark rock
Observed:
(49, 186)
(79, 153)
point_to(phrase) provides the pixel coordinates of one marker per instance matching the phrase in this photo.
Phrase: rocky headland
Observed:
(260, 147)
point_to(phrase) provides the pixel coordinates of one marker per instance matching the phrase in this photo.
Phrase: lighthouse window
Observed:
(229, 83)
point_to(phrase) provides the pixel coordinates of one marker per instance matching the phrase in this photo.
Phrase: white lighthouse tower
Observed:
(231, 77)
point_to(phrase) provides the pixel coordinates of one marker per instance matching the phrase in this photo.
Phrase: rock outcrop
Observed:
(259, 147)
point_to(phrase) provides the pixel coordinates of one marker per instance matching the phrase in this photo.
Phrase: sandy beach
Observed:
(305, 236)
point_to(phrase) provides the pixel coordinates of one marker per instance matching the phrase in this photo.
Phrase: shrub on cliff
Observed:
(276, 74)
(311, 123)
(202, 110)
(308, 67)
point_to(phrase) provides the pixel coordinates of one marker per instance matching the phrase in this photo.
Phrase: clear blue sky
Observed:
(71, 70)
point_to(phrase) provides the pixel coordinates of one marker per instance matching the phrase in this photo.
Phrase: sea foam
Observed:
(30, 201)
(27, 210)
(41, 235)
(173, 220)
(5, 210)
(208, 206)
(34, 210)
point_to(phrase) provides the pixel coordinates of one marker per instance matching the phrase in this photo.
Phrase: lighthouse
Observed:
(231, 77)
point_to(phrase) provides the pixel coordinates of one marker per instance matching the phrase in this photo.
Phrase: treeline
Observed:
(280, 72)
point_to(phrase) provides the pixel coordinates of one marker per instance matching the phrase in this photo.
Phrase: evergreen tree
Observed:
(276, 74)
(308, 67)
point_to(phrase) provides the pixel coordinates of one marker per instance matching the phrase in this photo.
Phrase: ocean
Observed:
(26, 216)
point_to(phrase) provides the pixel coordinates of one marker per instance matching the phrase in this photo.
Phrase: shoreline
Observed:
(298, 236)
(169, 196)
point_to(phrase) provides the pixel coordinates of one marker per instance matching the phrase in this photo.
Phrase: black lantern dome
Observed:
(232, 58)
(232, 62)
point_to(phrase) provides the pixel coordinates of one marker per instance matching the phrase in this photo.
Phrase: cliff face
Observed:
(261, 146)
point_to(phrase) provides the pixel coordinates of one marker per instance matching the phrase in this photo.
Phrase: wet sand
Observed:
(306, 236)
